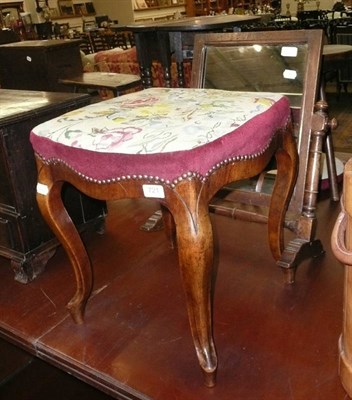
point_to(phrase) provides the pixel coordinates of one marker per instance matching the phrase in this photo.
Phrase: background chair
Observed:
(343, 35)
(285, 62)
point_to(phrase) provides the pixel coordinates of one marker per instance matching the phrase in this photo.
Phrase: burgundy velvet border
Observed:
(250, 138)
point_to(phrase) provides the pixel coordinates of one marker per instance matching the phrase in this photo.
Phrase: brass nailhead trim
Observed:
(155, 179)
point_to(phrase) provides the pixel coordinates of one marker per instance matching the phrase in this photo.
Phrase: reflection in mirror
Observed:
(260, 68)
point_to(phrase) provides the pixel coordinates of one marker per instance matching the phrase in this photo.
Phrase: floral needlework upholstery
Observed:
(187, 128)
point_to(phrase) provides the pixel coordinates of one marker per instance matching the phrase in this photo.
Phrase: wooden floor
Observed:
(274, 341)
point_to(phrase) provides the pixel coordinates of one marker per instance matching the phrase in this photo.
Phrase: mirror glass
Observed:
(260, 68)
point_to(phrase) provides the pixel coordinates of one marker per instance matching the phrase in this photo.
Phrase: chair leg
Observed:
(287, 167)
(56, 216)
(169, 226)
(195, 250)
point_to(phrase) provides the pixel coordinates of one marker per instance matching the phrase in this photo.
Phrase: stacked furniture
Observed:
(343, 35)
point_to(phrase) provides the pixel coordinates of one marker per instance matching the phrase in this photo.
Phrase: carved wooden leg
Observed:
(287, 164)
(55, 214)
(169, 225)
(195, 249)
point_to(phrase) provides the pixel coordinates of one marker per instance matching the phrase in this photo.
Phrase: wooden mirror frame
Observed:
(312, 126)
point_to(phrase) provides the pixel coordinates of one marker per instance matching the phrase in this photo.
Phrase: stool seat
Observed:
(189, 130)
(178, 147)
(117, 83)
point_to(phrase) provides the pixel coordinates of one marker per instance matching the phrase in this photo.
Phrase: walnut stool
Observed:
(179, 146)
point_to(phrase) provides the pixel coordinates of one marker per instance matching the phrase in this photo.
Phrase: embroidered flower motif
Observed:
(147, 101)
(113, 138)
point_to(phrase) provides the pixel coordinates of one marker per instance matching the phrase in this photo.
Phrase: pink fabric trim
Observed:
(250, 139)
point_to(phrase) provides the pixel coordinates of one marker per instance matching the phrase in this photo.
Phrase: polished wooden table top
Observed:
(108, 80)
(332, 50)
(41, 43)
(195, 23)
(15, 104)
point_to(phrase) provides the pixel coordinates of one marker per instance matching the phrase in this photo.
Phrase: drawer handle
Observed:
(338, 238)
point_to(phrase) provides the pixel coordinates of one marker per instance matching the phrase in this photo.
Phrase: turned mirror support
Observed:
(305, 246)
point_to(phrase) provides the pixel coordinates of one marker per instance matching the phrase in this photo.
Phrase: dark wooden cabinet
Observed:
(39, 64)
(24, 236)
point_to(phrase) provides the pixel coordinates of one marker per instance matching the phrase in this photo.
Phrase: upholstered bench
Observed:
(179, 146)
